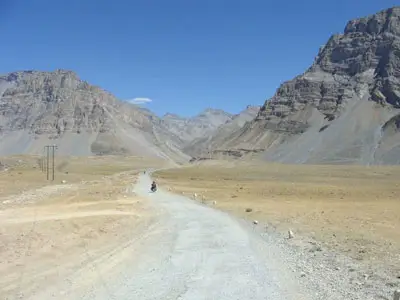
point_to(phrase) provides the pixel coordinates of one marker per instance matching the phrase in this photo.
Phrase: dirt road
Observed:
(205, 254)
(194, 252)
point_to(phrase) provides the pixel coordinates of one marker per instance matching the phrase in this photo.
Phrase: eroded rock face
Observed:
(58, 107)
(365, 59)
(53, 103)
(383, 22)
(335, 111)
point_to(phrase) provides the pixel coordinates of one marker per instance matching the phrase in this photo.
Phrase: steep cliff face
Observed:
(38, 108)
(335, 112)
(364, 60)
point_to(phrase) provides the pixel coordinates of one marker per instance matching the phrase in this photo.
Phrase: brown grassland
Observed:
(353, 209)
(47, 229)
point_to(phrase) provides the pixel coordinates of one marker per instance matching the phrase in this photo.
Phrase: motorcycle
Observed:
(153, 188)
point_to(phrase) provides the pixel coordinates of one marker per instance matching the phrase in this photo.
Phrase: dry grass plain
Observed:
(353, 209)
(50, 229)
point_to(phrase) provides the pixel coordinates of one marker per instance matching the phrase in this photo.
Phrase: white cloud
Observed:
(139, 100)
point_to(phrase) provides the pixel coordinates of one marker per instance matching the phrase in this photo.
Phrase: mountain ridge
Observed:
(319, 116)
(191, 128)
(343, 109)
(37, 108)
(203, 145)
(43, 107)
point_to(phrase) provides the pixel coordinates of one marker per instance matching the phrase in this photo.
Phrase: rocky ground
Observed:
(331, 273)
(102, 237)
(196, 252)
(343, 218)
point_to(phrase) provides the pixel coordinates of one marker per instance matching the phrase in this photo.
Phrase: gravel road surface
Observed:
(200, 253)
(192, 252)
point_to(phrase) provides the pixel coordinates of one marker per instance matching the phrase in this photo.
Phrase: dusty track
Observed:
(202, 253)
(191, 252)
(59, 239)
(167, 247)
(344, 217)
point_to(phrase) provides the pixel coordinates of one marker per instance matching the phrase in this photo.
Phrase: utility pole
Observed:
(43, 159)
(47, 161)
(53, 149)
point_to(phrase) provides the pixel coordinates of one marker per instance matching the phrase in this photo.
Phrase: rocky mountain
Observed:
(41, 108)
(203, 145)
(203, 124)
(344, 109)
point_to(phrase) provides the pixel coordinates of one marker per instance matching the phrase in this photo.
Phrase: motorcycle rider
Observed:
(153, 186)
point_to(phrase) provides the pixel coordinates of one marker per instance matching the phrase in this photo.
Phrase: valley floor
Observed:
(61, 236)
(97, 233)
(345, 215)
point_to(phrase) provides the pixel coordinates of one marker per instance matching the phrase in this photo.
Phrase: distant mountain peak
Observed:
(172, 115)
(253, 107)
(214, 111)
(197, 126)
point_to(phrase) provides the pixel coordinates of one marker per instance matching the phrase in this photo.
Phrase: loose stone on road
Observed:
(202, 253)
(192, 252)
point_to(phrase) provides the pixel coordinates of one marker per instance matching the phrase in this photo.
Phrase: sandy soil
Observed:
(196, 252)
(50, 230)
(93, 237)
(352, 210)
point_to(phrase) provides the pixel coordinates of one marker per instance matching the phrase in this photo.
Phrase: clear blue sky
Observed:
(185, 55)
